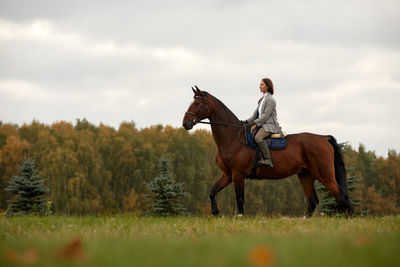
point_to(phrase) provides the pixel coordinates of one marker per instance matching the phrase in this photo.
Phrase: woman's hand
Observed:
(250, 124)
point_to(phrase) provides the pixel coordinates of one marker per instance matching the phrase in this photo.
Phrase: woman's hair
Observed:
(270, 85)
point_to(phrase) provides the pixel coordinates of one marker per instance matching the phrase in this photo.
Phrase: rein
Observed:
(216, 123)
(222, 123)
(241, 126)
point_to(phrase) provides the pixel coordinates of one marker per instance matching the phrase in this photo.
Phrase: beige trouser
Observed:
(261, 134)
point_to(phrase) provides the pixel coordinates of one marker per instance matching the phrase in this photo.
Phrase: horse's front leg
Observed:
(239, 182)
(222, 182)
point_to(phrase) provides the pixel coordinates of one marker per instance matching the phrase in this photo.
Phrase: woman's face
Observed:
(263, 87)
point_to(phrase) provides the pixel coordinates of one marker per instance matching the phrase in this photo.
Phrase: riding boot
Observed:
(266, 160)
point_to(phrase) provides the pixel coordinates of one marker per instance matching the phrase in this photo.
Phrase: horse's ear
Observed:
(194, 91)
(198, 90)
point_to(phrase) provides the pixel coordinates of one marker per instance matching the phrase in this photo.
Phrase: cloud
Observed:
(335, 66)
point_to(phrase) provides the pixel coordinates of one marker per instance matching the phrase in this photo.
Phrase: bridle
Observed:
(196, 119)
(195, 115)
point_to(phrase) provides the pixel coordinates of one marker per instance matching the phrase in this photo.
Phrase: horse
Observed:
(310, 156)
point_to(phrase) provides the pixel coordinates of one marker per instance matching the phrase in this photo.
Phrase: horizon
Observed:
(197, 127)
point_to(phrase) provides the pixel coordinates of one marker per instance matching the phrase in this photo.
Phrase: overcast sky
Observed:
(335, 64)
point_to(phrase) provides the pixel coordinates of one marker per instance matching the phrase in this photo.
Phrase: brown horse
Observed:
(308, 155)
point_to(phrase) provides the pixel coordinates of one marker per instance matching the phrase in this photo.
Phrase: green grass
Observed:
(193, 241)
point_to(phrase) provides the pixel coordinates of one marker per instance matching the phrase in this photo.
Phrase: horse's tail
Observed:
(340, 176)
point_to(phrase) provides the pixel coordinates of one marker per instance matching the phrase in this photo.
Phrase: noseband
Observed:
(196, 119)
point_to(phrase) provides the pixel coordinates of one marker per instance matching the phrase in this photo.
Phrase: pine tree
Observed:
(30, 191)
(353, 185)
(328, 204)
(165, 193)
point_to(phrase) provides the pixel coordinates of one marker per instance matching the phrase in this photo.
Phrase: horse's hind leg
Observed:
(307, 182)
(326, 175)
(222, 182)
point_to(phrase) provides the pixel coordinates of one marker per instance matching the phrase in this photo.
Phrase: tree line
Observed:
(95, 170)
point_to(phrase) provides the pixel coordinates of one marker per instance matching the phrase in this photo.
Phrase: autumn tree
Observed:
(97, 169)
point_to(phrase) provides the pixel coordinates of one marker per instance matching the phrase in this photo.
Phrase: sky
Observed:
(335, 64)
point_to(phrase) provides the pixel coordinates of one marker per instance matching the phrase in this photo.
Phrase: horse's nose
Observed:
(187, 125)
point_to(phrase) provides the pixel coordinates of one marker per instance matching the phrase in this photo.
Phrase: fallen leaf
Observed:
(72, 251)
(27, 257)
(360, 240)
(11, 256)
(261, 255)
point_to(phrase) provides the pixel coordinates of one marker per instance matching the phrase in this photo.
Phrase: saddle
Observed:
(275, 141)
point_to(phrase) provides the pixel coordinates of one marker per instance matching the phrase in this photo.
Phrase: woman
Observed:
(265, 118)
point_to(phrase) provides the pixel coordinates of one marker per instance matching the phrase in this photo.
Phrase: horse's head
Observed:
(198, 110)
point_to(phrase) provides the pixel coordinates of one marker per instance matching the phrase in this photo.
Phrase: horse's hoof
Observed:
(239, 216)
(215, 213)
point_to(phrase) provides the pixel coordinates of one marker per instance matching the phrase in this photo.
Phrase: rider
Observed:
(265, 118)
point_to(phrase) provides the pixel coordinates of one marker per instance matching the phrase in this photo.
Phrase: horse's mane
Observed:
(223, 105)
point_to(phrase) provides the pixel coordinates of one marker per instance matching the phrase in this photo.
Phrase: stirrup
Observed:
(267, 163)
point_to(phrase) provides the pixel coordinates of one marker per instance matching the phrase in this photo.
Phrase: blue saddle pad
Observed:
(273, 143)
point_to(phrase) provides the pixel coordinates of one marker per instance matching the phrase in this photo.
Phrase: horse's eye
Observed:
(196, 104)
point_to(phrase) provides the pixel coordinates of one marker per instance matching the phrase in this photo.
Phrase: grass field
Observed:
(193, 241)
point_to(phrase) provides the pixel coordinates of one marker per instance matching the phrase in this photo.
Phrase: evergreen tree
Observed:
(354, 184)
(30, 191)
(328, 204)
(165, 193)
